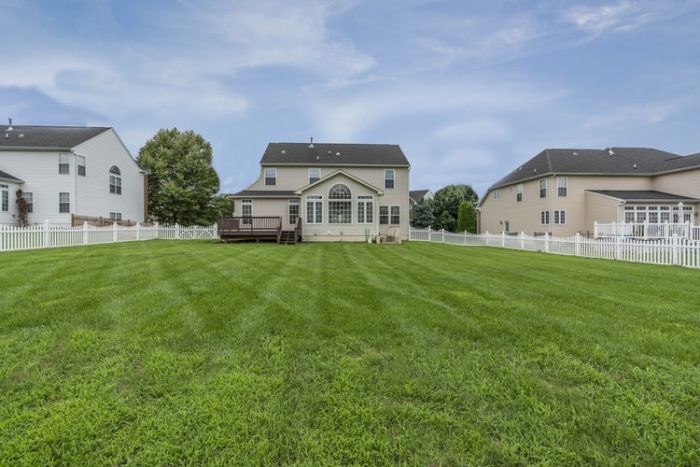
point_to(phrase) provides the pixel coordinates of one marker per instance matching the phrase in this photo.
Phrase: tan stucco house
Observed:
(341, 192)
(566, 191)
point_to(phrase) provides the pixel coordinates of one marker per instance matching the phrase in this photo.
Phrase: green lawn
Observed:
(167, 352)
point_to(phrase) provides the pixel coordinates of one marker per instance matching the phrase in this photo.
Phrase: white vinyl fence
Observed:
(51, 236)
(671, 251)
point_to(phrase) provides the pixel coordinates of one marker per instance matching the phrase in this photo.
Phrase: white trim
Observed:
(335, 174)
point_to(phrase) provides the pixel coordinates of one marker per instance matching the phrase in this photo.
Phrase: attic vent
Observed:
(311, 143)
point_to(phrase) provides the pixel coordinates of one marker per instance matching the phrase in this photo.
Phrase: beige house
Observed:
(330, 192)
(568, 191)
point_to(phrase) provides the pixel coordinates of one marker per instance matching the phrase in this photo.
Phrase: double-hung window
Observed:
(293, 210)
(339, 204)
(389, 177)
(562, 186)
(543, 188)
(497, 194)
(519, 193)
(270, 176)
(64, 202)
(29, 199)
(395, 215)
(64, 163)
(115, 180)
(81, 166)
(560, 217)
(384, 215)
(115, 216)
(246, 210)
(544, 217)
(314, 175)
(314, 209)
(4, 198)
(365, 208)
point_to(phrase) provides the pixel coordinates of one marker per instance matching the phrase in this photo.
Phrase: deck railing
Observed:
(647, 230)
(249, 224)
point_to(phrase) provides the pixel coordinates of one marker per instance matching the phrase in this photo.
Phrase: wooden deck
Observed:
(257, 228)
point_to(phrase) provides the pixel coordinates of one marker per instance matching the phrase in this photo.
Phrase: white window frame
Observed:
(115, 180)
(365, 209)
(314, 201)
(562, 184)
(246, 203)
(317, 178)
(334, 204)
(4, 198)
(519, 192)
(81, 165)
(61, 203)
(389, 176)
(273, 176)
(544, 217)
(290, 204)
(543, 188)
(115, 216)
(560, 217)
(387, 215)
(497, 194)
(397, 215)
(28, 196)
(64, 163)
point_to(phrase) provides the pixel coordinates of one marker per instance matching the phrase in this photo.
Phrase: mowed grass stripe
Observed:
(197, 352)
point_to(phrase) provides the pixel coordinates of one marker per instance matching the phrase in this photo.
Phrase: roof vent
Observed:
(21, 135)
(7, 135)
(575, 153)
(318, 158)
(284, 151)
(337, 153)
(330, 152)
(611, 152)
(9, 126)
(311, 143)
(634, 166)
(535, 170)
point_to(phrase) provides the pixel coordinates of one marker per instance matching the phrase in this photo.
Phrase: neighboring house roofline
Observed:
(321, 164)
(335, 174)
(643, 196)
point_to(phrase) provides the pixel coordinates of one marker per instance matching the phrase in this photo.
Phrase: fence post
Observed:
(430, 234)
(114, 232)
(177, 231)
(157, 229)
(85, 233)
(618, 249)
(577, 238)
(595, 229)
(46, 233)
(546, 242)
(503, 239)
(443, 235)
(522, 240)
(465, 237)
(487, 238)
(674, 243)
(138, 231)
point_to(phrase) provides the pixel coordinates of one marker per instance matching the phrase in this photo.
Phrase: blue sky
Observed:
(469, 89)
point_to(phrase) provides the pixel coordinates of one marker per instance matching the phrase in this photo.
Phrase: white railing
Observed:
(669, 251)
(646, 230)
(51, 235)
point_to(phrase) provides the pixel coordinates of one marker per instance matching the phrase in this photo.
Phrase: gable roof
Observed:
(335, 174)
(417, 195)
(8, 177)
(642, 195)
(46, 137)
(323, 154)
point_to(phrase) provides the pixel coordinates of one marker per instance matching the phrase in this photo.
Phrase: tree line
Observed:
(452, 208)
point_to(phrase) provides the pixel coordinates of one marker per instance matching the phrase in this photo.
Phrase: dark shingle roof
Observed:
(327, 154)
(6, 176)
(417, 195)
(643, 195)
(46, 137)
(264, 194)
(624, 161)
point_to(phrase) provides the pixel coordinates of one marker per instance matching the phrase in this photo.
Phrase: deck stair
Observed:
(287, 237)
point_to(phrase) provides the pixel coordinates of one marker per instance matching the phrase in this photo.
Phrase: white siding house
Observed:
(64, 171)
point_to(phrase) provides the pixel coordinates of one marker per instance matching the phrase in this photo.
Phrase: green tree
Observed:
(422, 215)
(466, 217)
(446, 205)
(182, 183)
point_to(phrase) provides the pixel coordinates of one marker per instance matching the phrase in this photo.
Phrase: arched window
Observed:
(339, 204)
(115, 180)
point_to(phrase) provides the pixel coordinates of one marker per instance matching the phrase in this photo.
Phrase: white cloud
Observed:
(626, 116)
(475, 129)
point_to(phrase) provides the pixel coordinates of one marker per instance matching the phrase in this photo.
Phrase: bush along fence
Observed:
(51, 235)
(669, 251)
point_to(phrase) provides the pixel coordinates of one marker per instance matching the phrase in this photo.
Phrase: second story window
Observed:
(270, 176)
(115, 180)
(543, 188)
(562, 186)
(519, 192)
(64, 163)
(81, 166)
(314, 175)
(497, 194)
(389, 176)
